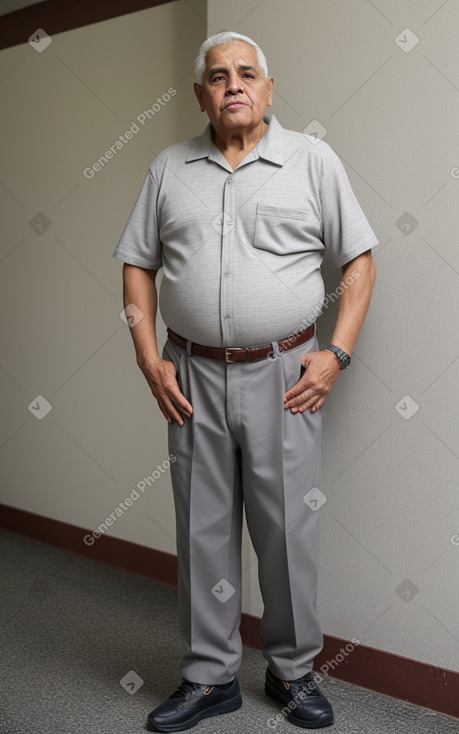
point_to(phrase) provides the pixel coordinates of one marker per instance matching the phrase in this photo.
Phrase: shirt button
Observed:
(227, 316)
(230, 181)
(227, 273)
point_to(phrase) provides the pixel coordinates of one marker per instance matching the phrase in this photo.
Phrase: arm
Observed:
(322, 368)
(139, 287)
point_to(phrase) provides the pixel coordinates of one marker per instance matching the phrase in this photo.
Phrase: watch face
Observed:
(345, 360)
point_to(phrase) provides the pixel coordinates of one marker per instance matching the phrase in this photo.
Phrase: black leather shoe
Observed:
(192, 702)
(305, 704)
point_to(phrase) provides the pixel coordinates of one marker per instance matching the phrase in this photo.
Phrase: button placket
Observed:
(228, 234)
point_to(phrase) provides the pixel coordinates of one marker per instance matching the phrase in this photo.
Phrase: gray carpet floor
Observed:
(87, 648)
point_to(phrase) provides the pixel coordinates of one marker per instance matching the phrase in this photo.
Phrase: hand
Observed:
(161, 375)
(320, 372)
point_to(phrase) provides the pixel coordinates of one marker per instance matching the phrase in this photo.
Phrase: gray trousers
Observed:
(241, 448)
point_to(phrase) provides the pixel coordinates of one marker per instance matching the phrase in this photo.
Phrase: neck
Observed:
(238, 140)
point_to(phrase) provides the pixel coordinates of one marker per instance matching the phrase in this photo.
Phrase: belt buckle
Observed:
(229, 351)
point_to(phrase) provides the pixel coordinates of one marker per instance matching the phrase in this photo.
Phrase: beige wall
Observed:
(63, 337)
(390, 482)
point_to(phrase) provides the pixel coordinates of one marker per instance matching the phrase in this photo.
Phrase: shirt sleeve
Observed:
(140, 243)
(346, 232)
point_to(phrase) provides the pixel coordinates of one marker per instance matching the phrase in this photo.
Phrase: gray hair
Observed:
(221, 39)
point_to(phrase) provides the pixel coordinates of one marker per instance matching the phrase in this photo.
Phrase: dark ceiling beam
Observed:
(56, 16)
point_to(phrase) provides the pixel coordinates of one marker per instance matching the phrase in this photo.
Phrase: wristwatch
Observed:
(343, 358)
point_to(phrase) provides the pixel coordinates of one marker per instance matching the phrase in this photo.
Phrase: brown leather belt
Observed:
(243, 354)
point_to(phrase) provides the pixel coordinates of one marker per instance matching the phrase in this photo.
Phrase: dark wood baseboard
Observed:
(393, 675)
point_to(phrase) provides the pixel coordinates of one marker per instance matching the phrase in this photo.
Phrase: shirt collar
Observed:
(270, 147)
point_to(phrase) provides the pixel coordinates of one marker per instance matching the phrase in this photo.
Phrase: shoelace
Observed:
(186, 690)
(306, 684)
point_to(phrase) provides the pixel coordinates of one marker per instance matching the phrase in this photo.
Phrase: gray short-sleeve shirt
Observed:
(241, 250)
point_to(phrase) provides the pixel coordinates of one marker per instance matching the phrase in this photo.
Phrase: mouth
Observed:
(235, 105)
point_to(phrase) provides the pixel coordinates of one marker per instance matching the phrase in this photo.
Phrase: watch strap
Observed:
(343, 358)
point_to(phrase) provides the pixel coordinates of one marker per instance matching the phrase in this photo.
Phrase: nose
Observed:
(234, 84)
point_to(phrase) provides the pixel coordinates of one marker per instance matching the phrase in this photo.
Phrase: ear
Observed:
(270, 82)
(199, 95)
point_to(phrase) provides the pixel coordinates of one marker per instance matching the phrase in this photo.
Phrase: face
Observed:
(234, 91)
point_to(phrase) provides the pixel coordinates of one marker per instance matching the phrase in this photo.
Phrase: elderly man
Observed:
(239, 218)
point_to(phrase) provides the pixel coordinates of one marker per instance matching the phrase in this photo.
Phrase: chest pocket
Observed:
(281, 230)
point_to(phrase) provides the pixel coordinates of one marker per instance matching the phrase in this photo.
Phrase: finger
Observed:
(297, 399)
(171, 397)
(303, 402)
(313, 405)
(299, 387)
(317, 406)
(174, 393)
(170, 412)
(179, 402)
(167, 417)
(164, 412)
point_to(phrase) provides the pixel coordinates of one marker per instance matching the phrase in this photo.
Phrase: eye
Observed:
(248, 75)
(218, 78)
